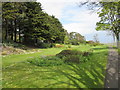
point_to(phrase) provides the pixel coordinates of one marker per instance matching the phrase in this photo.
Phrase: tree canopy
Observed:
(109, 13)
(26, 22)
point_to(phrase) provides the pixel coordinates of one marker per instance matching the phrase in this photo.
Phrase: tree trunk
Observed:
(118, 40)
(15, 32)
(12, 30)
(19, 36)
(6, 32)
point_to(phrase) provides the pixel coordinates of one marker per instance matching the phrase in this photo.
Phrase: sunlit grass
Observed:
(84, 75)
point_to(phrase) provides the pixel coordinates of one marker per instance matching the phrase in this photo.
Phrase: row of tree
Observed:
(25, 22)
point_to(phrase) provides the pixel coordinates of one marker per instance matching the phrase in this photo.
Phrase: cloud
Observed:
(79, 27)
(72, 17)
(53, 7)
(80, 20)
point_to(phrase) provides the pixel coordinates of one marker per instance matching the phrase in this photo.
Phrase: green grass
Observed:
(18, 73)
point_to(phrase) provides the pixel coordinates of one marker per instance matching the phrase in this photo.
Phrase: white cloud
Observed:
(53, 7)
(79, 27)
(85, 21)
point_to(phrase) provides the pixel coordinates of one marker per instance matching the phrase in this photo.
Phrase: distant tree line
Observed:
(74, 38)
(27, 23)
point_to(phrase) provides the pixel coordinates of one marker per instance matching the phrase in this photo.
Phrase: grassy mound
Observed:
(74, 56)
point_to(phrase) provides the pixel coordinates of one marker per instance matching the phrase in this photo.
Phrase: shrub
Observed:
(68, 52)
(72, 59)
(4, 53)
(74, 56)
(44, 45)
(72, 52)
(86, 53)
(69, 46)
(46, 61)
(74, 42)
(92, 43)
(76, 59)
(58, 46)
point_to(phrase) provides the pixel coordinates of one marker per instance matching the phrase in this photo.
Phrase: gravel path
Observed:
(111, 79)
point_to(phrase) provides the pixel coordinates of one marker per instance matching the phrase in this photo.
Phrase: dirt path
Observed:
(111, 79)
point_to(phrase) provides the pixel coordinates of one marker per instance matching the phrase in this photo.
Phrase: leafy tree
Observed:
(109, 19)
(109, 13)
(95, 37)
(74, 38)
(25, 22)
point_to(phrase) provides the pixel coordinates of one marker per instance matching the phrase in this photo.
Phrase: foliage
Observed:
(58, 45)
(110, 18)
(78, 59)
(68, 52)
(92, 43)
(44, 45)
(26, 22)
(46, 61)
(4, 53)
(109, 13)
(15, 45)
(74, 38)
(69, 46)
(74, 56)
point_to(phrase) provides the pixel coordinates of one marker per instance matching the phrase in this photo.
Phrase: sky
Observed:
(75, 18)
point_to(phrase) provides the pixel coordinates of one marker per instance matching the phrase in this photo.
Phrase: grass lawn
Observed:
(18, 73)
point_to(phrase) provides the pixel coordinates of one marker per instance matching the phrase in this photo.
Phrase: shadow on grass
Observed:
(81, 77)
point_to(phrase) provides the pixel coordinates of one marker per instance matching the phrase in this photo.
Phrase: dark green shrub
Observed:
(72, 59)
(69, 52)
(92, 43)
(52, 45)
(74, 56)
(86, 53)
(74, 42)
(69, 46)
(44, 45)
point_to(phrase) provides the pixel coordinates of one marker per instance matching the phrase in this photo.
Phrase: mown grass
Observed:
(22, 74)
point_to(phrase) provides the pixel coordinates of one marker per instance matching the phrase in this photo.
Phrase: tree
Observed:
(108, 13)
(95, 37)
(109, 21)
(74, 38)
(25, 22)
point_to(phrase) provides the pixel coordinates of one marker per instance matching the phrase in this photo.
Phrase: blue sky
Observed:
(75, 18)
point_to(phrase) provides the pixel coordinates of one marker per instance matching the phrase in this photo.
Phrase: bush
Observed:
(71, 52)
(44, 45)
(74, 56)
(69, 46)
(92, 43)
(74, 42)
(58, 46)
(76, 59)
(4, 53)
(72, 59)
(46, 61)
